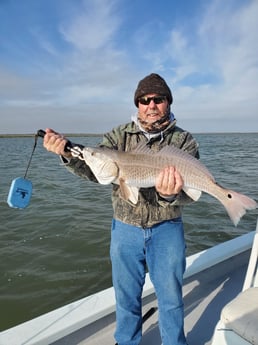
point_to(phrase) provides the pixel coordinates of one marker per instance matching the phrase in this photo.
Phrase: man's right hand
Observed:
(55, 142)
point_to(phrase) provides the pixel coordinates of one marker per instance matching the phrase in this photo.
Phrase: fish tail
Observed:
(237, 204)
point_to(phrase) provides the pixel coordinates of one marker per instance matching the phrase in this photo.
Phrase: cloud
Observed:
(216, 74)
(231, 34)
(91, 69)
(94, 26)
(95, 68)
(89, 58)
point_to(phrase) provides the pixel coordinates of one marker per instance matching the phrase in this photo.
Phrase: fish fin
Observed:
(237, 204)
(142, 148)
(128, 192)
(192, 193)
(169, 149)
(104, 180)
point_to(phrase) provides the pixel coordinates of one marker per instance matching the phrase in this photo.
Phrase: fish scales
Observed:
(143, 169)
(140, 168)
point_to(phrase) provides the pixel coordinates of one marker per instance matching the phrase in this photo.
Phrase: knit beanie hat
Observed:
(153, 83)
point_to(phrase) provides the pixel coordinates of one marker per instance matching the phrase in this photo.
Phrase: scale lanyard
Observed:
(21, 188)
(33, 150)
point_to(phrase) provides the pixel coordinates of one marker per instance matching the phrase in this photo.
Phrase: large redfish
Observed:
(139, 169)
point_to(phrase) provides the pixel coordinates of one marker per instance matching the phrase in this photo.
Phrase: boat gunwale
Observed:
(68, 319)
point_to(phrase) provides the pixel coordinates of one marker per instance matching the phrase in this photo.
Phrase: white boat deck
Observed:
(204, 296)
(213, 277)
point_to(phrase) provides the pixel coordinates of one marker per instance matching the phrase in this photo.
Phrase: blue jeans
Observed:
(162, 249)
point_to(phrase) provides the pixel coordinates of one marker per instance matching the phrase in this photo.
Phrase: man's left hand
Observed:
(169, 182)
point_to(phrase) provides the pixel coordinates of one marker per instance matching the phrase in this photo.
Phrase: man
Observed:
(149, 234)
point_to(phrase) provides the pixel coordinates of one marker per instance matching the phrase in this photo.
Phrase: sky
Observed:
(74, 65)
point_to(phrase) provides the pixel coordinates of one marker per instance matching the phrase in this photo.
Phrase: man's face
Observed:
(153, 111)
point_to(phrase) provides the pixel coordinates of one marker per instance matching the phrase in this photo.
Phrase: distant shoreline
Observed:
(28, 135)
(67, 135)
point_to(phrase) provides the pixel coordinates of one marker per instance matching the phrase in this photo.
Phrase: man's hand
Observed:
(55, 142)
(169, 182)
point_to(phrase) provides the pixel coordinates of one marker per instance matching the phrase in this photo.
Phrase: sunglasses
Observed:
(155, 99)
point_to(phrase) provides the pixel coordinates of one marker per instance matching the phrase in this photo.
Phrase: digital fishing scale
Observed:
(21, 188)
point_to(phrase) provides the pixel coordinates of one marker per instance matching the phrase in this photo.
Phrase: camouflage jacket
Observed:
(151, 207)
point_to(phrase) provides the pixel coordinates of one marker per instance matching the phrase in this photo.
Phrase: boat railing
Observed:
(239, 318)
(251, 279)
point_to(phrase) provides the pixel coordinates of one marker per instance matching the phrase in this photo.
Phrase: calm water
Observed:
(57, 250)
